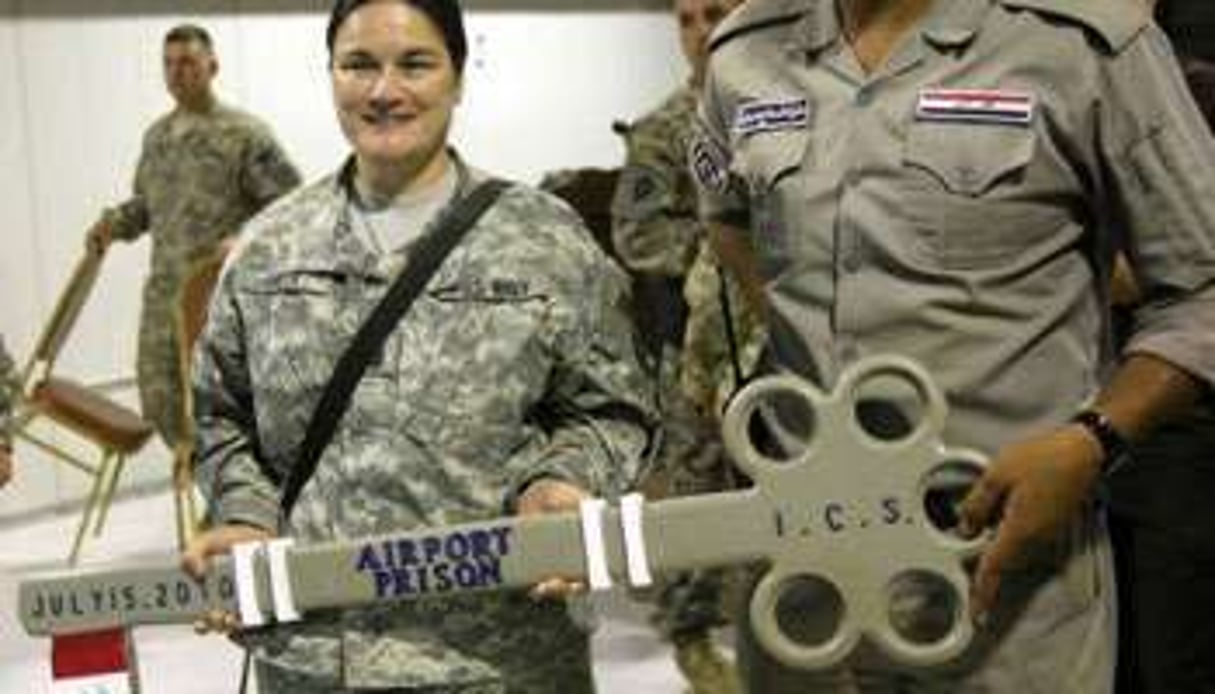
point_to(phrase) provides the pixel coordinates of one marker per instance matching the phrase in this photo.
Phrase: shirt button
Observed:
(864, 96)
(851, 263)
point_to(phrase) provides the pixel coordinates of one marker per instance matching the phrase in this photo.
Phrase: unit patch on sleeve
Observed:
(709, 162)
(642, 191)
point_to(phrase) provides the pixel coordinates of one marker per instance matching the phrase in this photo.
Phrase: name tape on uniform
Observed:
(771, 115)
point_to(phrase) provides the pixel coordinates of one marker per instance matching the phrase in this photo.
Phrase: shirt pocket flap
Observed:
(969, 158)
(488, 290)
(297, 282)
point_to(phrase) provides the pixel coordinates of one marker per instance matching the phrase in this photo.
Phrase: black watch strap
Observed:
(1114, 446)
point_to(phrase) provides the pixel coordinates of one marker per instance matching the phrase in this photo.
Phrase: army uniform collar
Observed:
(349, 254)
(344, 180)
(818, 28)
(948, 24)
(954, 23)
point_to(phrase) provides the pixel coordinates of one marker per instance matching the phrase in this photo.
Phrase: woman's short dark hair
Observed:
(445, 14)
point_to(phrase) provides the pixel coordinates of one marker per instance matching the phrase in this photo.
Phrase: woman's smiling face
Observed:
(394, 86)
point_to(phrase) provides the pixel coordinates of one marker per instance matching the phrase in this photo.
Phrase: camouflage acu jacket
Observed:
(515, 362)
(200, 176)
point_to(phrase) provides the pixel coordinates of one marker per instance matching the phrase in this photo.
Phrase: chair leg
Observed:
(192, 516)
(107, 497)
(181, 488)
(90, 506)
(187, 518)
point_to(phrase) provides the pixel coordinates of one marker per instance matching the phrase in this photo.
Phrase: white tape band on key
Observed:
(246, 585)
(597, 575)
(280, 582)
(638, 562)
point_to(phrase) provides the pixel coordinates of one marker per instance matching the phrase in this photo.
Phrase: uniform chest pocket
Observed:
(966, 194)
(303, 321)
(481, 348)
(300, 302)
(295, 327)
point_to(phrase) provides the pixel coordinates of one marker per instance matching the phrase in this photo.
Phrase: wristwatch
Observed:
(1114, 446)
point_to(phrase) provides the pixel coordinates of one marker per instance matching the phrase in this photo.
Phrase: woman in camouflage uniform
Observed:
(510, 384)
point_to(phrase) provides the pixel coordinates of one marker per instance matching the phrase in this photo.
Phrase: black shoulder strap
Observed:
(432, 249)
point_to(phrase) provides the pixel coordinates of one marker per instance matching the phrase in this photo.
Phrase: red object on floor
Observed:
(92, 653)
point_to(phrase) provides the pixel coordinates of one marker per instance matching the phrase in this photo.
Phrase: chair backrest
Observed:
(193, 300)
(68, 403)
(195, 297)
(63, 319)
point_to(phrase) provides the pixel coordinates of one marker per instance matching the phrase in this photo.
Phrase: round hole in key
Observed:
(942, 491)
(781, 426)
(888, 405)
(809, 610)
(923, 607)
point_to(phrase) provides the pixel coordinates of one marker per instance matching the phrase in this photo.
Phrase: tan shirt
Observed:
(972, 230)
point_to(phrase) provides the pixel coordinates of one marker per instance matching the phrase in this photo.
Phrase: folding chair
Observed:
(114, 430)
(190, 316)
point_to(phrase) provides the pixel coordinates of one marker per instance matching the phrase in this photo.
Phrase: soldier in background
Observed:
(1161, 517)
(9, 388)
(707, 338)
(205, 168)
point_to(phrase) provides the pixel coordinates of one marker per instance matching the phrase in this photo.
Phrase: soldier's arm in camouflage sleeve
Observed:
(654, 223)
(9, 388)
(237, 489)
(129, 219)
(597, 410)
(266, 170)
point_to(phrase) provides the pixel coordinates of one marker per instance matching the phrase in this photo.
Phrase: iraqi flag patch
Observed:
(975, 106)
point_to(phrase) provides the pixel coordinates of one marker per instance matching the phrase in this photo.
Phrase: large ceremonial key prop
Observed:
(837, 505)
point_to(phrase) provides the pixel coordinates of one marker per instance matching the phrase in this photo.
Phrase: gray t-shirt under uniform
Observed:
(389, 226)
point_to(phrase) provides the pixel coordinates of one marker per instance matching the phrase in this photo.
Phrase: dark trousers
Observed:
(1163, 527)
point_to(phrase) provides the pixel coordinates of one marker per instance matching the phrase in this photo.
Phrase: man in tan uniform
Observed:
(9, 389)
(943, 179)
(205, 169)
(657, 234)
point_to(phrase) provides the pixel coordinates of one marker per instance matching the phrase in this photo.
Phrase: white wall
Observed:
(80, 79)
